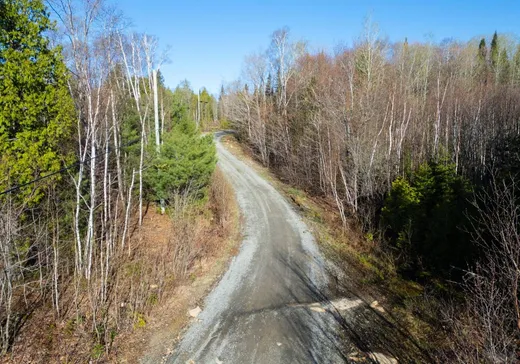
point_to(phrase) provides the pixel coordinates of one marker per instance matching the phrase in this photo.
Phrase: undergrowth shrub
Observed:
(425, 218)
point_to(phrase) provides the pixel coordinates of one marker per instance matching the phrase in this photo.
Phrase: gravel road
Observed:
(270, 306)
(281, 301)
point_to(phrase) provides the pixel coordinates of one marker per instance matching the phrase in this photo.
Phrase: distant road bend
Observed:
(272, 305)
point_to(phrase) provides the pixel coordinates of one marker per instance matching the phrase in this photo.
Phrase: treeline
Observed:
(414, 141)
(89, 138)
(200, 107)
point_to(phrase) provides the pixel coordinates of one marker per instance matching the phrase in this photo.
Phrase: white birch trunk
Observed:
(157, 124)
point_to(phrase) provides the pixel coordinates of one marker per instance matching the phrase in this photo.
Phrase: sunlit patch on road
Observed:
(345, 304)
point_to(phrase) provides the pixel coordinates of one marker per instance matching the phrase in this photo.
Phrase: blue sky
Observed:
(208, 39)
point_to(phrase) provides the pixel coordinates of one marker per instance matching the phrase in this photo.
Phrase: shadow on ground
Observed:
(365, 331)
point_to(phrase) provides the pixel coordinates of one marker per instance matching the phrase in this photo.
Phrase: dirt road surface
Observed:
(274, 304)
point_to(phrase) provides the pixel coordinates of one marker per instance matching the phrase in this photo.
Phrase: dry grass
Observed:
(170, 264)
(202, 240)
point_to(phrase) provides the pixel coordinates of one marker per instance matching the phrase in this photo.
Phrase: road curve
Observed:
(269, 306)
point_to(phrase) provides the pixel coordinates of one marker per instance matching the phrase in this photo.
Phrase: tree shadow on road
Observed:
(360, 329)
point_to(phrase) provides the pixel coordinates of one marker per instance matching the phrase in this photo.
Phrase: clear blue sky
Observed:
(209, 39)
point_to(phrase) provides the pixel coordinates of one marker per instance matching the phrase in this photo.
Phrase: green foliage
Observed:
(426, 219)
(207, 102)
(399, 209)
(504, 72)
(482, 51)
(139, 320)
(185, 163)
(97, 351)
(153, 299)
(186, 105)
(516, 64)
(130, 136)
(494, 50)
(482, 60)
(36, 109)
(225, 124)
(183, 107)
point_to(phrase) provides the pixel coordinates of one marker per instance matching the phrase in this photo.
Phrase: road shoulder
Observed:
(166, 323)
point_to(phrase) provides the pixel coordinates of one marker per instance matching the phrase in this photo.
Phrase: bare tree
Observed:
(489, 327)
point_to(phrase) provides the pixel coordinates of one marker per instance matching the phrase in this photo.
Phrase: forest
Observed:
(416, 145)
(91, 140)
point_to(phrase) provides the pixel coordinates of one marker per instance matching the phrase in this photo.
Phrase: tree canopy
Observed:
(36, 109)
(185, 162)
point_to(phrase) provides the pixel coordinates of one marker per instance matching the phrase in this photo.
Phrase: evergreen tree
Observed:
(504, 67)
(482, 51)
(278, 87)
(206, 107)
(185, 163)
(482, 61)
(36, 110)
(494, 51)
(427, 219)
(269, 86)
(184, 104)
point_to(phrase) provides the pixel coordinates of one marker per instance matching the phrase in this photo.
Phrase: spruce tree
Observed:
(494, 51)
(269, 86)
(504, 67)
(36, 109)
(184, 165)
(482, 51)
(481, 61)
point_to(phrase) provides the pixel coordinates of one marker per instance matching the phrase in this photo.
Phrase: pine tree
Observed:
(36, 109)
